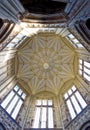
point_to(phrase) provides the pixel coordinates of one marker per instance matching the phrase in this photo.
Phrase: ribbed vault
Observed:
(45, 63)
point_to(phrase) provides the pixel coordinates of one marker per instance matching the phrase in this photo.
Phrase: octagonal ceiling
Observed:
(45, 63)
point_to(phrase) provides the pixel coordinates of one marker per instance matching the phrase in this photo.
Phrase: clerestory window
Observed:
(44, 114)
(13, 101)
(84, 69)
(74, 41)
(75, 102)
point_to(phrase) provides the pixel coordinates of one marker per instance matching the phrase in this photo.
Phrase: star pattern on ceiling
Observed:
(45, 63)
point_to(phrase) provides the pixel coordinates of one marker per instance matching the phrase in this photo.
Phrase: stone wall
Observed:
(8, 122)
(79, 120)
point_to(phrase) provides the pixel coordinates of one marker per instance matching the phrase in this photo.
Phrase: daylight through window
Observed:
(74, 101)
(44, 114)
(74, 41)
(13, 102)
(84, 69)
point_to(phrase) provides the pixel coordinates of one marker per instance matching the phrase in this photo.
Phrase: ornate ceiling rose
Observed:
(46, 66)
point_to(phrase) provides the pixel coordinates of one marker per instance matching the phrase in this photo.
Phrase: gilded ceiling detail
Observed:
(45, 63)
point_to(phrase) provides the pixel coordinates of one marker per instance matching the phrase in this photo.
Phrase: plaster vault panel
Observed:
(45, 63)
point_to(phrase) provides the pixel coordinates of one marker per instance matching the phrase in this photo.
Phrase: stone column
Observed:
(58, 101)
(27, 111)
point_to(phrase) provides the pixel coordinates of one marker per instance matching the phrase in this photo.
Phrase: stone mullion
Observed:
(9, 101)
(47, 115)
(78, 101)
(72, 104)
(15, 105)
(40, 119)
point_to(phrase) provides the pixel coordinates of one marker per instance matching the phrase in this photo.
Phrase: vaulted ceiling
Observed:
(45, 62)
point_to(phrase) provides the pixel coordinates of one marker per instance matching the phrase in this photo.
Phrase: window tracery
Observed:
(75, 102)
(84, 69)
(13, 101)
(44, 114)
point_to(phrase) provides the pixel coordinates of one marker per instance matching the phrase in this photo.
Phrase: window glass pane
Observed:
(23, 95)
(80, 66)
(14, 40)
(44, 114)
(80, 99)
(43, 118)
(76, 105)
(71, 110)
(50, 118)
(17, 108)
(11, 45)
(12, 104)
(20, 92)
(20, 35)
(80, 45)
(44, 102)
(87, 64)
(7, 99)
(66, 96)
(71, 36)
(75, 41)
(87, 77)
(73, 88)
(80, 72)
(38, 102)
(16, 88)
(80, 61)
(87, 70)
(50, 102)
(37, 117)
(70, 92)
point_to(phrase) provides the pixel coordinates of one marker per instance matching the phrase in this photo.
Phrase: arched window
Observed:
(74, 101)
(44, 114)
(84, 69)
(13, 101)
(88, 23)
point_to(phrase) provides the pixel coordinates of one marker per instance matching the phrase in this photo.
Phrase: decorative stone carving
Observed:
(7, 121)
